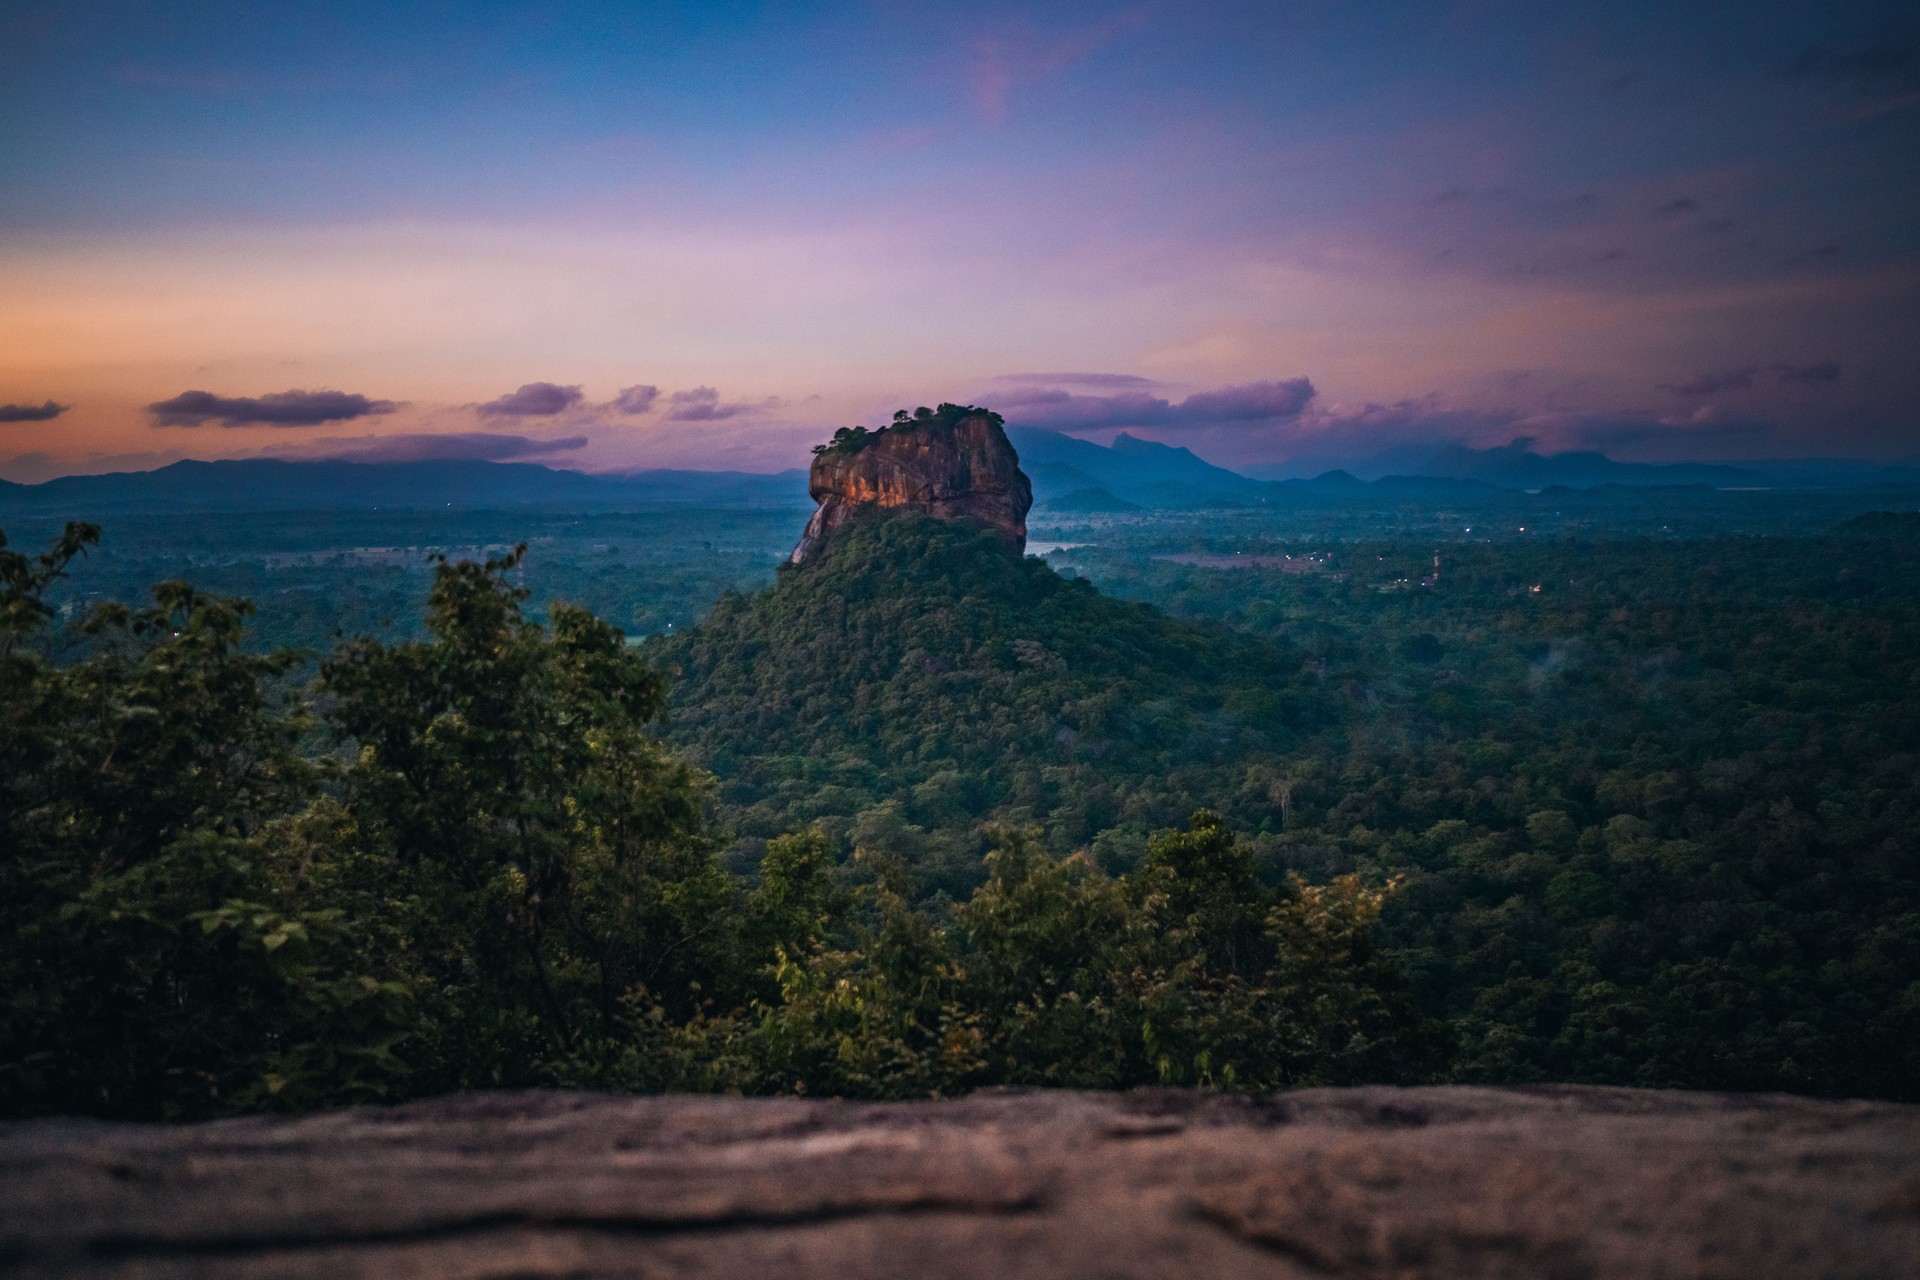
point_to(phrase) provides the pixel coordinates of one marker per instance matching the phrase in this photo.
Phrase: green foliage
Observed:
(554, 856)
(24, 581)
(1053, 973)
(163, 956)
(851, 440)
(466, 861)
(1650, 823)
(925, 677)
(1654, 803)
(318, 577)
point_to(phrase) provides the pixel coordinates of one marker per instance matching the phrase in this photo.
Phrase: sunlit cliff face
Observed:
(963, 469)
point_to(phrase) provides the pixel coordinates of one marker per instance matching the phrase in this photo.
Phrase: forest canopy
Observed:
(466, 861)
(1651, 804)
(925, 815)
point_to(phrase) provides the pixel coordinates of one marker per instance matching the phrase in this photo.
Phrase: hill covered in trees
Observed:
(924, 675)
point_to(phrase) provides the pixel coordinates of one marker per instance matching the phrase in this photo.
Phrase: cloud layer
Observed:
(31, 412)
(1821, 373)
(636, 400)
(1205, 194)
(1117, 381)
(1712, 384)
(1298, 435)
(533, 400)
(1248, 404)
(279, 409)
(703, 404)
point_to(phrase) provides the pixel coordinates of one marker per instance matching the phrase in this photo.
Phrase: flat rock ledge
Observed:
(1557, 1183)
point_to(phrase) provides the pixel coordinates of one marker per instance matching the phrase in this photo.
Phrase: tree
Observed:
(553, 856)
(163, 955)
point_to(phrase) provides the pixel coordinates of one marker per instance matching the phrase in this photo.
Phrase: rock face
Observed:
(953, 466)
(1548, 1183)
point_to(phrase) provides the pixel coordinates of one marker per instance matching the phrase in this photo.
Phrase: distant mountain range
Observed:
(1080, 475)
(1517, 466)
(1068, 474)
(274, 485)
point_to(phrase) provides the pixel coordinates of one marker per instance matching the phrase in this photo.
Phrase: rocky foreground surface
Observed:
(1551, 1182)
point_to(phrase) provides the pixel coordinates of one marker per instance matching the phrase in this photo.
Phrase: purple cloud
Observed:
(1823, 373)
(280, 409)
(1063, 410)
(1253, 402)
(1400, 436)
(1425, 420)
(1708, 384)
(31, 412)
(533, 400)
(1111, 380)
(636, 400)
(465, 446)
(1250, 402)
(703, 404)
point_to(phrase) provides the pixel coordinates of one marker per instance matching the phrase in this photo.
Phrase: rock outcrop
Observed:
(1548, 1182)
(952, 464)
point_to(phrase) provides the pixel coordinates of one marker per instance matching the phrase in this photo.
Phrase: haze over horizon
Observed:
(611, 237)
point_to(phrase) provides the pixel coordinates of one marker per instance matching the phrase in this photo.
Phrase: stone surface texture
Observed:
(966, 469)
(1557, 1183)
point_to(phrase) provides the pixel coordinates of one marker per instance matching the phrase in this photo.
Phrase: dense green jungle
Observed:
(1605, 786)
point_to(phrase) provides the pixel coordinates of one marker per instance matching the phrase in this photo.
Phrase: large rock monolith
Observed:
(955, 463)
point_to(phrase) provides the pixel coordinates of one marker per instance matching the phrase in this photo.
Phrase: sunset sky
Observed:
(610, 236)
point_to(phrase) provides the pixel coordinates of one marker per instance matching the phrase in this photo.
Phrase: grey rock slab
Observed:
(1551, 1182)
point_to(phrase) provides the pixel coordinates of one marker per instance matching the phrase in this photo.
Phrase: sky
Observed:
(618, 236)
